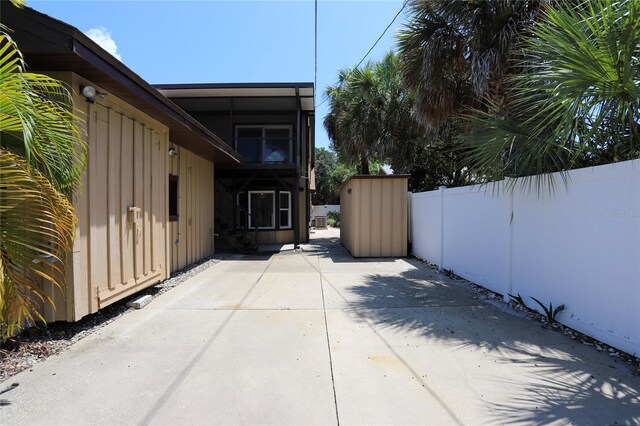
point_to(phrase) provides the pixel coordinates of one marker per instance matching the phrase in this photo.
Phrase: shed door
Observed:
(127, 203)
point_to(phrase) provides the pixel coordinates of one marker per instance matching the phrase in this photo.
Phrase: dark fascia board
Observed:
(213, 86)
(234, 85)
(81, 45)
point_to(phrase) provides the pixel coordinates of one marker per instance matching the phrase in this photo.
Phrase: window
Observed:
(262, 209)
(173, 198)
(248, 141)
(276, 145)
(285, 209)
(264, 144)
(242, 208)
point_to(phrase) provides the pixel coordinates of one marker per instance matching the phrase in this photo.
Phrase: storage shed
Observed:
(373, 215)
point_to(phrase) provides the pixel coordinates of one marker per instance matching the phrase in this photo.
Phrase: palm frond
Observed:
(41, 161)
(576, 102)
(35, 112)
(37, 225)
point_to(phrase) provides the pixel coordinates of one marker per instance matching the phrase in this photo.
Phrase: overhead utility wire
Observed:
(372, 47)
(315, 72)
(381, 35)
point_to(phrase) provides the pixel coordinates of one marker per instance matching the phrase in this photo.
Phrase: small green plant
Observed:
(518, 299)
(549, 311)
(334, 215)
(333, 219)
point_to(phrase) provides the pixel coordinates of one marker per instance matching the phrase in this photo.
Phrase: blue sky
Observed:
(236, 41)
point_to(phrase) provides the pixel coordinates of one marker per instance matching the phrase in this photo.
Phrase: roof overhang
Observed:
(52, 45)
(238, 97)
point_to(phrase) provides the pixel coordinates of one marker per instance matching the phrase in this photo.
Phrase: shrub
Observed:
(334, 215)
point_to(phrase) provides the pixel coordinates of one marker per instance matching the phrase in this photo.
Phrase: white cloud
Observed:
(102, 36)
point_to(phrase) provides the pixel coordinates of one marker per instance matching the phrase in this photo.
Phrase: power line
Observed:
(315, 73)
(370, 49)
(381, 35)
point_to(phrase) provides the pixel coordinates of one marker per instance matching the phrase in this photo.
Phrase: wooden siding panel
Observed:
(388, 207)
(82, 292)
(113, 198)
(117, 253)
(195, 210)
(374, 216)
(127, 167)
(98, 215)
(156, 192)
(275, 237)
(112, 255)
(146, 202)
(377, 225)
(138, 197)
(199, 213)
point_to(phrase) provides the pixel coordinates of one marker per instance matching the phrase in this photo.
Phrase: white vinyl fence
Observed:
(579, 246)
(324, 210)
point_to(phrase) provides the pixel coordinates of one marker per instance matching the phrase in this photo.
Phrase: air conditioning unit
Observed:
(321, 221)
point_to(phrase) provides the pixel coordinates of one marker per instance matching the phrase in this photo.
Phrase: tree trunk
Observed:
(364, 165)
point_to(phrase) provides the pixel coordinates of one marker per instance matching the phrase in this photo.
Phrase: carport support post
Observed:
(441, 262)
(296, 183)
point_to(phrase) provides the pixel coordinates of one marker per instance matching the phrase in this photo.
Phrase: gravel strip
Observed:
(37, 344)
(494, 298)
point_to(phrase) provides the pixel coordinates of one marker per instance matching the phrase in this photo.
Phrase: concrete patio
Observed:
(316, 337)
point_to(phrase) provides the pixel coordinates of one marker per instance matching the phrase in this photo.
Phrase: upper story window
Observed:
(264, 144)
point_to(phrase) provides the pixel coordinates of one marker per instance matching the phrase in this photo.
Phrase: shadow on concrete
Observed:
(330, 248)
(261, 257)
(558, 380)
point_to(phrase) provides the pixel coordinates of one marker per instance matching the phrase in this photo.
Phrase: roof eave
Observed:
(80, 45)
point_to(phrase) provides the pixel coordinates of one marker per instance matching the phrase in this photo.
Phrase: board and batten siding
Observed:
(121, 241)
(124, 240)
(373, 218)
(192, 236)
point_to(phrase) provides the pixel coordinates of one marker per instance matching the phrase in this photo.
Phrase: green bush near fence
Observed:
(333, 219)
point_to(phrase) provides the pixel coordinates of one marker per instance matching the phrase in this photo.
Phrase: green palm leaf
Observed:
(35, 113)
(37, 224)
(577, 101)
(42, 158)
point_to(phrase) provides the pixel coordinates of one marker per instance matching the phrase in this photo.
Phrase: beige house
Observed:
(159, 181)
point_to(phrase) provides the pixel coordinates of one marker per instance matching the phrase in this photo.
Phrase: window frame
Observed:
(265, 127)
(239, 208)
(250, 211)
(288, 210)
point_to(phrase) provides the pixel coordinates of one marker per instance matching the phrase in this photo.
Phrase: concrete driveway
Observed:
(316, 337)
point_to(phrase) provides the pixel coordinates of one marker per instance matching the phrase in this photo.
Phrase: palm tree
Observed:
(577, 102)
(353, 121)
(42, 157)
(370, 116)
(455, 54)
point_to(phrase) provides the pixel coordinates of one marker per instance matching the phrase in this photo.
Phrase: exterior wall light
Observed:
(90, 93)
(173, 152)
